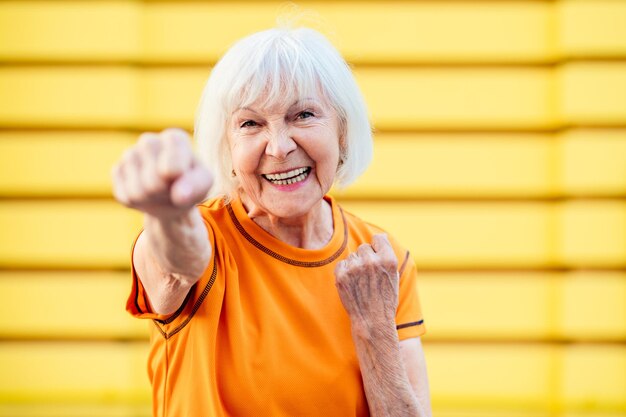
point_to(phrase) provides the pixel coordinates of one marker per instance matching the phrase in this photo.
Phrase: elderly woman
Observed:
(269, 299)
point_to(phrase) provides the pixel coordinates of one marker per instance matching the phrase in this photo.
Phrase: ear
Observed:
(343, 144)
(342, 153)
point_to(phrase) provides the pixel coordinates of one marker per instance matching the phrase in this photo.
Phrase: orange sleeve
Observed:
(409, 318)
(138, 304)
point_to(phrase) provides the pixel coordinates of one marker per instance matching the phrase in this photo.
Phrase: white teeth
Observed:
(284, 175)
(292, 176)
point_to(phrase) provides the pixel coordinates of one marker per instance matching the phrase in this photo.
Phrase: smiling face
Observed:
(285, 155)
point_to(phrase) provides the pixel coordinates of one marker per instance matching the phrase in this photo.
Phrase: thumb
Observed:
(192, 187)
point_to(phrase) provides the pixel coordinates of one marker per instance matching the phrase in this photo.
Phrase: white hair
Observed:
(281, 63)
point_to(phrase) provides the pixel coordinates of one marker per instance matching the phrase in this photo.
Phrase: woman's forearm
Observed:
(179, 244)
(385, 380)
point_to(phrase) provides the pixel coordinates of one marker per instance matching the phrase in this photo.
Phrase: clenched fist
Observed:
(160, 175)
(368, 282)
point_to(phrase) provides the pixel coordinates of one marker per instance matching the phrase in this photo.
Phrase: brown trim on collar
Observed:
(282, 258)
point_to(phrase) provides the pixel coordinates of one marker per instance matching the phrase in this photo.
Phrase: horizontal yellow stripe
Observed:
(457, 306)
(593, 234)
(593, 161)
(439, 234)
(497, 98)
(144, 410)
(523, 411)
(593, 93)
(200, 32)
(474, 376)
(60, 163)
(520, 376)
(425, 31)
(545, 306)
(506, 234)
(66, 234)
(74, 372)
(577, 162)
(77, 305)
(406, 165)
(67, 30)
(592, 28)
(456, 165)
(594, 374)
(69, 96)
(93, 409)
(398, 98)
(364, 31)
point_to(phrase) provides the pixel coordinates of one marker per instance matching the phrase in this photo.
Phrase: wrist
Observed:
(368, 329)
(180, 243)
(172, 220)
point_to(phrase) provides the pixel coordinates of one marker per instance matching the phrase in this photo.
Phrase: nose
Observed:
(280, 144)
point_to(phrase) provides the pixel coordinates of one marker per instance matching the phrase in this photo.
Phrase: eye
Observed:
(249, 123)
(305, 115)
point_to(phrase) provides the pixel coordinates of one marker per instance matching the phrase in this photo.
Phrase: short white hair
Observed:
(281, 63)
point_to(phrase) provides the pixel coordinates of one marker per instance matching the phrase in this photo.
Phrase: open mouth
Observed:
(289, 177)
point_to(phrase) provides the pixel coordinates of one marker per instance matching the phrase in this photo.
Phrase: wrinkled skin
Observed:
(367, 281)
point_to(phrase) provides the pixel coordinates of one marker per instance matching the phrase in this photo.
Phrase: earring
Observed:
(232, 173)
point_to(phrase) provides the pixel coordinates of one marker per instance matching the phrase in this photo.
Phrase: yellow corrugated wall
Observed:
(500, 161)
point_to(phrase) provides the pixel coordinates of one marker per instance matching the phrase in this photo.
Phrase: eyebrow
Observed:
(293, 104)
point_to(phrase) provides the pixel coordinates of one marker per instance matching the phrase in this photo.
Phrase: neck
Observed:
(310, 231)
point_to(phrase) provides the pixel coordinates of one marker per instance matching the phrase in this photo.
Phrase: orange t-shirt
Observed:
(263, 332)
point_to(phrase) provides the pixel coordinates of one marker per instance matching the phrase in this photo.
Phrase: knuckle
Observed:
(136, 198)
(176, 134)
(148, 169)
(153, 186)
(169, 169)
(363, 247)
(147, 138)
(122, 198)
(149, 147)
(382, 237)
(143, 138)
(134, 192)
(128, 154)
(129, 157)
(149, 189)
(116, 190)
(342, 270)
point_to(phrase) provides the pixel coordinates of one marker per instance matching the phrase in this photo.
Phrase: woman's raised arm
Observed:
(161, 177)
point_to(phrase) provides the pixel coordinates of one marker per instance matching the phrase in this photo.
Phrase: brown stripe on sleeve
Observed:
(136, 290)
(411, 324)
(406, 258)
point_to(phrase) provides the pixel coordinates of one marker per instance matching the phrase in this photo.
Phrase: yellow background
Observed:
(500, 160)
